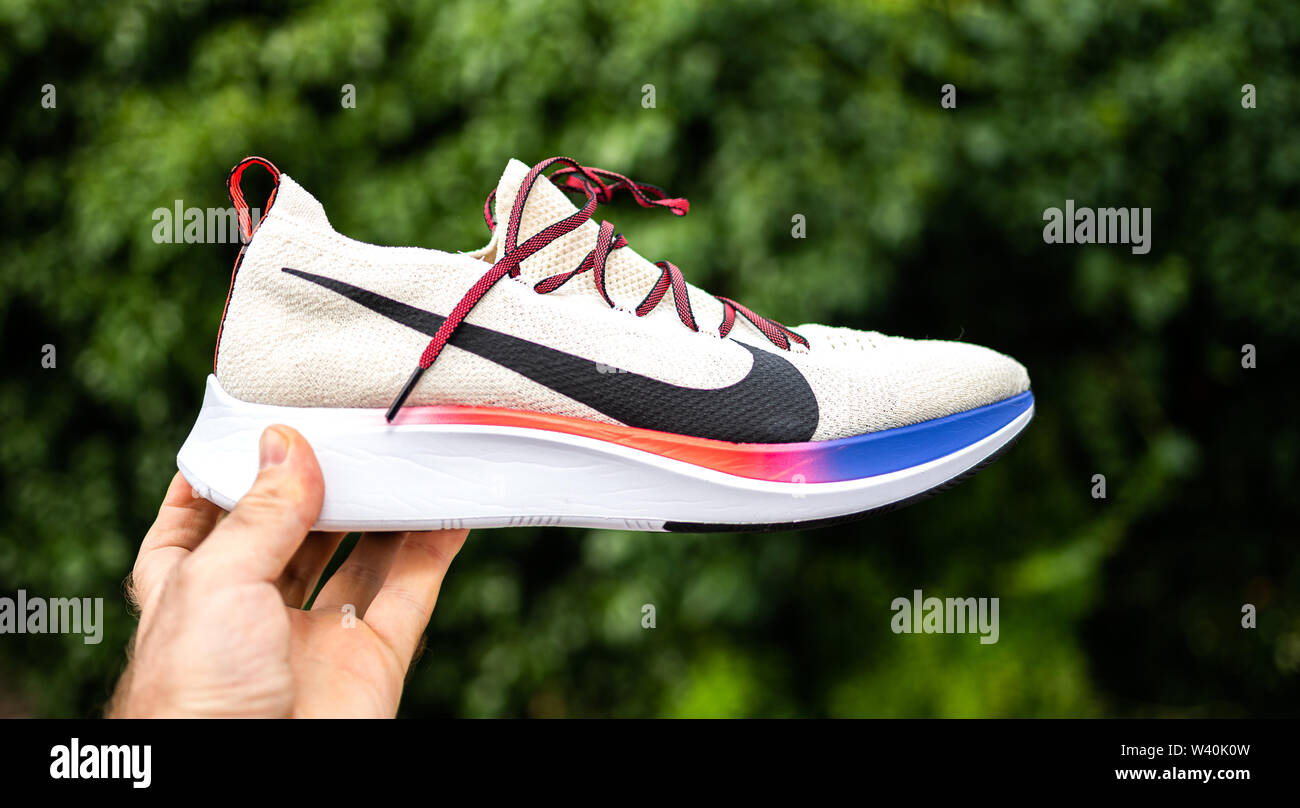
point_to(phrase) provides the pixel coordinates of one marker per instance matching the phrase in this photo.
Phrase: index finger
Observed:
(183, 521)
(401, 609)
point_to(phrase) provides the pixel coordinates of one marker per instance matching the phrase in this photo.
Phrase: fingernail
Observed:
(273, 447)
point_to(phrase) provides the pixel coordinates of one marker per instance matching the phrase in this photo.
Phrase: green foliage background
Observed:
(921, 221)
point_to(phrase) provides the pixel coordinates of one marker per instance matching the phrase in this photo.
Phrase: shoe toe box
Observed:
(869, 382)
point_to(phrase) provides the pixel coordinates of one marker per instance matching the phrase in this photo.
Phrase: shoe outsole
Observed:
(438, 475)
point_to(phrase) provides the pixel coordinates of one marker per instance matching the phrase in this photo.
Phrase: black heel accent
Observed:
(406, 391)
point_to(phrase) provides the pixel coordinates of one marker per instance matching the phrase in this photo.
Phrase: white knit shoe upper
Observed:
(291, 342)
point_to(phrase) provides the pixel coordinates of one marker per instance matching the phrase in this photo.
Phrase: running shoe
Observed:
(556, 377)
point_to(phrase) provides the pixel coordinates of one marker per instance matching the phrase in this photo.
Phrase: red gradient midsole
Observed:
(776, 462)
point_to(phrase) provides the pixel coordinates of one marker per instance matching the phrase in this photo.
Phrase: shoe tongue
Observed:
(628, 276)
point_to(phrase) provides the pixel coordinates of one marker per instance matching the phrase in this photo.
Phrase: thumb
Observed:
(259, 537)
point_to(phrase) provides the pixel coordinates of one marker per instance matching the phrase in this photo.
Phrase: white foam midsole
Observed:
(432, 476)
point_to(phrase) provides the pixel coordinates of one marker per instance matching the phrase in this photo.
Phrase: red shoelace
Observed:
(599, 186)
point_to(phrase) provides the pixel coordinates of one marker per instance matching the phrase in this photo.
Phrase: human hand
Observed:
(222, 630)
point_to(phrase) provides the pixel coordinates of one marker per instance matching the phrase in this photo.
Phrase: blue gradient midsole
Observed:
(907, 446)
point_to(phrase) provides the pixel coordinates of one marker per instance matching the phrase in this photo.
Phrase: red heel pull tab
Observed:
(246, 226)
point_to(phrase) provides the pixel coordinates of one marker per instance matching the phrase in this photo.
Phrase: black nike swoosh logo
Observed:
(772, 404)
